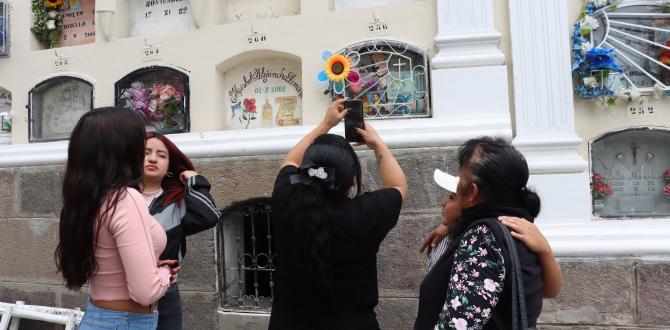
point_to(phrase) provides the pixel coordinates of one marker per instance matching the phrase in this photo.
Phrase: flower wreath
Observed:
(594, 68)
(48, 24)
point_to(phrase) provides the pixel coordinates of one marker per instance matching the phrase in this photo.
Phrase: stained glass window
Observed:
(393, 79)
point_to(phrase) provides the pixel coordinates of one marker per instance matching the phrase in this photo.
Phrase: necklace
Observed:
(149, 193)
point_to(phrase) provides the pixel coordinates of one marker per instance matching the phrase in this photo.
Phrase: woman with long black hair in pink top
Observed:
(107, 236)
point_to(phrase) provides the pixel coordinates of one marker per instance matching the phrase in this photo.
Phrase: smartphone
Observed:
(352, 120)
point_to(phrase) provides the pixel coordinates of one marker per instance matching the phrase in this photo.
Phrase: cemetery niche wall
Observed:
(55, 105)
(160, 95)
(631, 173)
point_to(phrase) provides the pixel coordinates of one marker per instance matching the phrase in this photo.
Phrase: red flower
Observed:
(608, 190)
(599, 187)
(667, 174)
(597, 177)
(250, 105)
(666, 189)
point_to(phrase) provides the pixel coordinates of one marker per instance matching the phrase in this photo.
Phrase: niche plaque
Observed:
(631, 174)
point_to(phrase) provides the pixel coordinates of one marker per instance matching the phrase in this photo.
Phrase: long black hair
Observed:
(105, 155)
(501, 173)
(310, 208)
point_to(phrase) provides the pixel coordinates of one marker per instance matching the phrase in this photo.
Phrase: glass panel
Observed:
(56, 105)
(160, 95)
(4, 29)
(393, 79)
(631, 174)
(78, 22)
(641, 36)
(5, 110)
(151, 17)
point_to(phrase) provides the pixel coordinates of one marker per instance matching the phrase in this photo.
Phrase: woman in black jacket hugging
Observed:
(471, 285)
(179, 199)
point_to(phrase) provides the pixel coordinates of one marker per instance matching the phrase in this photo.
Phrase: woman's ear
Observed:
(473, 194)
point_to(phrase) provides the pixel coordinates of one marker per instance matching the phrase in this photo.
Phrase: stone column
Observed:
(544, 109)
(469, 75)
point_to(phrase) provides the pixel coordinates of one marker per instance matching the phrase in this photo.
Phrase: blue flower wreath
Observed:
(595, 62)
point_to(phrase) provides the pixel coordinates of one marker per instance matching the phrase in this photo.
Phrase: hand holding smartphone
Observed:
(353, 120)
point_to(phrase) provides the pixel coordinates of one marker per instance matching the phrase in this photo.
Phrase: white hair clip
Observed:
(318, 172)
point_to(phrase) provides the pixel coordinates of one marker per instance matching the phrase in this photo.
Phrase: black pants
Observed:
(169, 310)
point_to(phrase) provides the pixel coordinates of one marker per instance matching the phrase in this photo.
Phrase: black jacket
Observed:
(196, 213)
(433, 290)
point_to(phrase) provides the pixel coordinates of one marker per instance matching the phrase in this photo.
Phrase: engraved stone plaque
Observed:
(630, 173)
(150, 17)
(56, 106)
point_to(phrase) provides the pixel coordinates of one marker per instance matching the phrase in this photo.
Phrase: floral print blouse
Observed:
(476, 281)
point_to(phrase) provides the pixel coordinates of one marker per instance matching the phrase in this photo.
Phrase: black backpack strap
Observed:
(518, 297)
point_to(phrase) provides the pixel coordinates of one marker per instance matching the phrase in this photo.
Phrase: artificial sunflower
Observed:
(337, 67)
(53, 3)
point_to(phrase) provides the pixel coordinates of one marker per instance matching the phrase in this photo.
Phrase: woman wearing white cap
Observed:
(485, 279)
(436, 242)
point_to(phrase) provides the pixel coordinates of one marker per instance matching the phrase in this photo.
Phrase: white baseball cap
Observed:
(445, 180)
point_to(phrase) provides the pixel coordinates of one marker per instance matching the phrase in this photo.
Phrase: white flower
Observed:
(460, 324)
(635, 95)
(490, 285)
(599, 3)
(51, 24)
(589, 23)
(590, 82)
(455, 303)
(622, 95)
(317, 172)
(5, 115)
(658, 92)
(586, 46)
(486, 312)
(455, 278)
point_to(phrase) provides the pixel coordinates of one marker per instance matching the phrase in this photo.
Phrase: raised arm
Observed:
(531, 236)
(201, 212)
(390, 171)
(334, 115)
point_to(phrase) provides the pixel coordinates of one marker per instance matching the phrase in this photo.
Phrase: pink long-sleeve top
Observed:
(129, 245)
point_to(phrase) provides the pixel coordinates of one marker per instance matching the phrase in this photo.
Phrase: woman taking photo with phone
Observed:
(107, 236)
(179, 200)
(327, 233)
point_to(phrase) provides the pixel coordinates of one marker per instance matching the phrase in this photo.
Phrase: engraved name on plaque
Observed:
(629, 169)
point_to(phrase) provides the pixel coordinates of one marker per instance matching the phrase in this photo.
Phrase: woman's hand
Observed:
(184, 176)
(370, 136)
(527, 232)
(173, 267)
(434, 238)
(335, 113)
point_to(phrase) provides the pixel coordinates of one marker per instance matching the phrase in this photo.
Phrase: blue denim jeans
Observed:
(97, 318)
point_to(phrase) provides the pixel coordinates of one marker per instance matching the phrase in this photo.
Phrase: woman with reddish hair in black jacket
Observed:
(179, 199)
